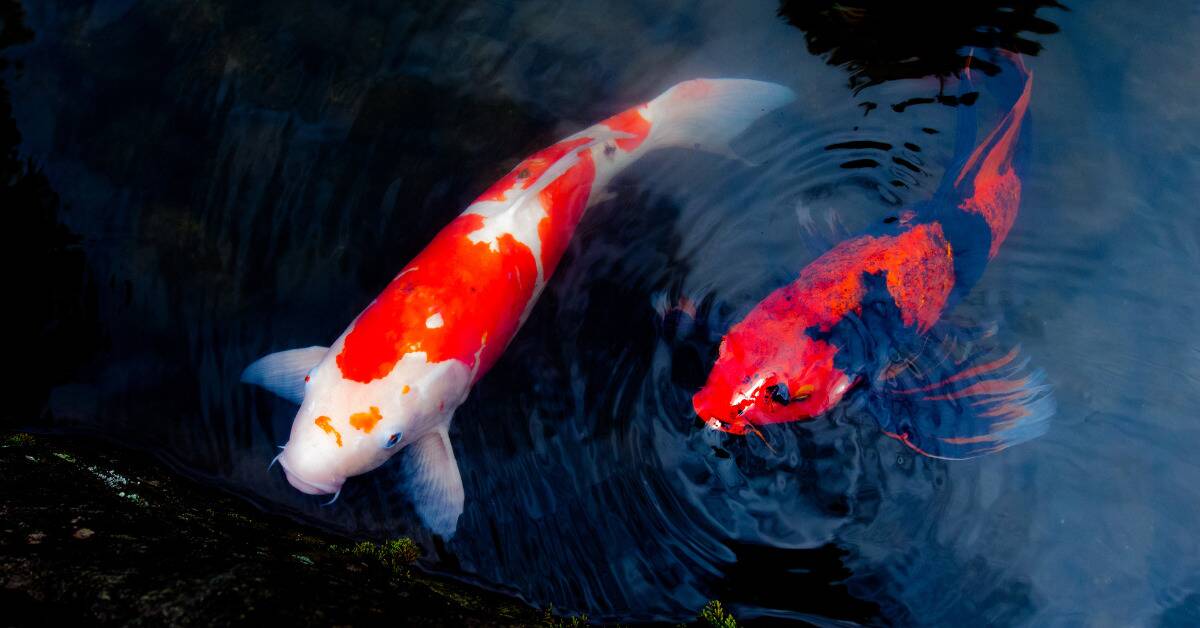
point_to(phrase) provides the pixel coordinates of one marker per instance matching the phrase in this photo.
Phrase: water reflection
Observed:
(877, 41)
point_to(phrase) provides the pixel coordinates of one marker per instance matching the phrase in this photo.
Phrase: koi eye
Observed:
(392, 440)
(779, 394)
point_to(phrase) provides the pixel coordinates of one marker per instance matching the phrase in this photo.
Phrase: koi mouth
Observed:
(309, 487)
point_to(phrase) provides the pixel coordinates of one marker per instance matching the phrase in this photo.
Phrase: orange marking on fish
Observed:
(996, 199)
(1000, 399)
(366, 421)
(478, 292)
(996, 187)
(1009, 412)
(985, 387)
(528, 171)
(632, 122)
(404, 391)
(971, 372)
(323, 422)
(564, 201)
(920, 274)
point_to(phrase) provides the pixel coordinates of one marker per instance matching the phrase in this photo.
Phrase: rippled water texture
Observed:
(235, 178)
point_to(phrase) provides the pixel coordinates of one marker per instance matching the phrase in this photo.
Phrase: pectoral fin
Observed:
(434, 481)
(954, 401)
(283, 372)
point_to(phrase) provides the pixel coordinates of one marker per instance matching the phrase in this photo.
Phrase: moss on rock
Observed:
(96, 535)
(714, 614)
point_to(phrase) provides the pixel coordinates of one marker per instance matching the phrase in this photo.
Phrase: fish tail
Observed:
(1008, 86)
(980, 196)
(706, 114)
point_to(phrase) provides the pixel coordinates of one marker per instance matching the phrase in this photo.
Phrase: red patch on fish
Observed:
(530, 169)
(479, 293)
(366, 421)
(996, 188)
(632, 122)
(564, 201)
(743, 353)
(920, 274)
(996, 198)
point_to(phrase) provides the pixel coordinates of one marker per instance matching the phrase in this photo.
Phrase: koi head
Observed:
(346, 428)
(757, 382)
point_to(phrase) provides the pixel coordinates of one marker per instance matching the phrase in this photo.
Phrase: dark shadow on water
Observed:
(773, 578)
(880, 40)
(50, 294)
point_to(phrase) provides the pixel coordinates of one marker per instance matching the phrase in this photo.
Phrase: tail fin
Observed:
(985, 181)
(1010, 89)
(706, 114)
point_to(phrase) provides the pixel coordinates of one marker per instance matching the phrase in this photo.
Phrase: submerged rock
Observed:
(93, 534)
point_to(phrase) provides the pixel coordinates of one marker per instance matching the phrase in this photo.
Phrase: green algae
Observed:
(19, 439)
(714, 614)
(395, 554)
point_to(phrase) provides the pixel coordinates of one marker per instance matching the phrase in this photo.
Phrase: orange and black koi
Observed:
(867, 312)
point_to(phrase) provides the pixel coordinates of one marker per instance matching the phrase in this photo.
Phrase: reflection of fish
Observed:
(395, 376)
(868, 311)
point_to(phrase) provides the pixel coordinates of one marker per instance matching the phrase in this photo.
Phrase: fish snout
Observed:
(309, 485)
(716, 414)
(311, 488)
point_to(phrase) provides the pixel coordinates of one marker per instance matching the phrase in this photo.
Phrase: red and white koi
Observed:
(396, 375)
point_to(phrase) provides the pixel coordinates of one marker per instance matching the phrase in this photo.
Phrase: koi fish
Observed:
(868, 314)
(395, 376)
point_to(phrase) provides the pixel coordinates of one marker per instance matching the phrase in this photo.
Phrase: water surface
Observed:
(227, 179)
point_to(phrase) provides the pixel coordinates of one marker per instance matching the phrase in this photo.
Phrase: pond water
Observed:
(211, 181)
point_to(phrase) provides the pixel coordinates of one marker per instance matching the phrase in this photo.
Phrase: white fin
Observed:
(283, 372)
(706, 114)
(437, 490)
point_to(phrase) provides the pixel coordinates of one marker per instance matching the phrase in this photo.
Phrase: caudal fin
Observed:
(706, 114)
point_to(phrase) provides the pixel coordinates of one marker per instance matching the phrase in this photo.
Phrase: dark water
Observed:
(211, 181)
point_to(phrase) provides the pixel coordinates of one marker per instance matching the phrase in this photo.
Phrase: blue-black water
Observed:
(206, 182)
